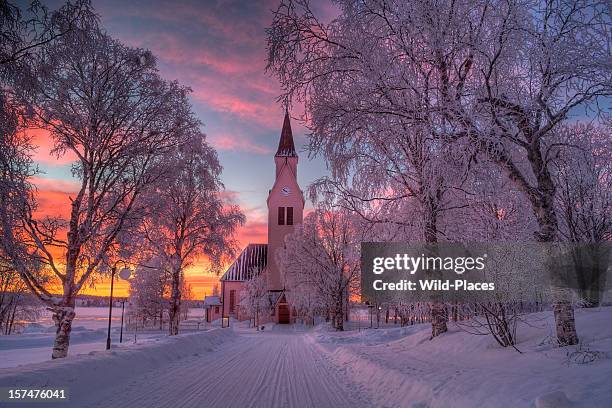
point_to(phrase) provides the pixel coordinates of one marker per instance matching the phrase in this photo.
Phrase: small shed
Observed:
(212, 307)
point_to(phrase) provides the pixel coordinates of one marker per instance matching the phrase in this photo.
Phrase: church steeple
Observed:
(285, 205)
(286, 148)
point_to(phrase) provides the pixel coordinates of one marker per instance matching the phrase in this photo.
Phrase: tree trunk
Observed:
(438, 319)
(13, 314)
(565, 323)
(175, 303)
(338, 318)
(161, 317)
(547, 219)
(437, 309)
(63, 317)
(542, 202)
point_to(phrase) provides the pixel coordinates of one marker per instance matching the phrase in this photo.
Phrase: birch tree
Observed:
(254, 298)
(190, 218)
(149, 292)
(529, 83)
(25, 29)
(23, 33)
(321, 259)
(582, 174)
(105, 104)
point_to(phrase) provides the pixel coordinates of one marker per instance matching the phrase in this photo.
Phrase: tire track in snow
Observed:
(263, 370)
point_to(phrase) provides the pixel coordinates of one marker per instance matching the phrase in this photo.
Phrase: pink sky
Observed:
(218, 48)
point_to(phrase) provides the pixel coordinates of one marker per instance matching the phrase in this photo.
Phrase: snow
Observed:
(297, 366)
(223, 367)
(463, 370)
(212, 301)
(89, 332)
(91, 375)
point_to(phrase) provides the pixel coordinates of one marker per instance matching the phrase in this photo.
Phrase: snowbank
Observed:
(100, 369)
(402, 368)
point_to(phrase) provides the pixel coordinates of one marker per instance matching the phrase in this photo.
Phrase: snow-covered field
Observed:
(294, 366)
(89, 331)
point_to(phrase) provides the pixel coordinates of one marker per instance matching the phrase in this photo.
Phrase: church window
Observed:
(232, 305)
(281, 215)
(289, 215)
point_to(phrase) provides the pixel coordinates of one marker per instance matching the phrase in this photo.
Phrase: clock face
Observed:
(285, 191)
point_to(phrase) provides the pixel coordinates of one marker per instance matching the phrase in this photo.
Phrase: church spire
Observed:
(286, 148)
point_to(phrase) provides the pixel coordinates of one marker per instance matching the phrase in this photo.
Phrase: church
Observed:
(285, 210)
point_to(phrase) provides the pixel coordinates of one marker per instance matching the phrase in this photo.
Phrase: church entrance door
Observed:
(283, 314)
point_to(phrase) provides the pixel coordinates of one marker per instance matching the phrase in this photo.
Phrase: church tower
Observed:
(285, 203)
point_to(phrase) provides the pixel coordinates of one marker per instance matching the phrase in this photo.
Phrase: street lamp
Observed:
(122, 312)
(123, 274)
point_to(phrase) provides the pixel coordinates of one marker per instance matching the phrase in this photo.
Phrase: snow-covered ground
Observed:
(89, 331)
(217, 368)
(401, 367)
(294, 366)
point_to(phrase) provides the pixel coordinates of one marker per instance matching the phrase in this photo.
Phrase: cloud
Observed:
(237, 143)
(43, 143)
(216, 48)
(202, 284)
(253, 232)
(53, 196)
(46, 184)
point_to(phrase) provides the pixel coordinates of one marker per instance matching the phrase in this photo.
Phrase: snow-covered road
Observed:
(263, 370)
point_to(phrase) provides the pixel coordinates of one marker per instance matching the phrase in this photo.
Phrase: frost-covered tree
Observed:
(23, 34)
(528, 85)
(149, 292)
(583, 176)
(321, 260)
(254, 299)
(495, 77)
(105, 104)
(25, 30)
(188, 216)
(15, 189)
(17, 304)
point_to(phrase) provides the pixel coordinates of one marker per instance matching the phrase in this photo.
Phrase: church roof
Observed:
(286, 148)
(212, 301)
(250, 262)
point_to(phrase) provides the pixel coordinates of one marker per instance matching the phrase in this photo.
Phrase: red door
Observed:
(283, 314)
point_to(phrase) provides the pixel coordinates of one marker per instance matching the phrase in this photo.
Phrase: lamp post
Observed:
(370, 307)
(122, 312)
(124, 274)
